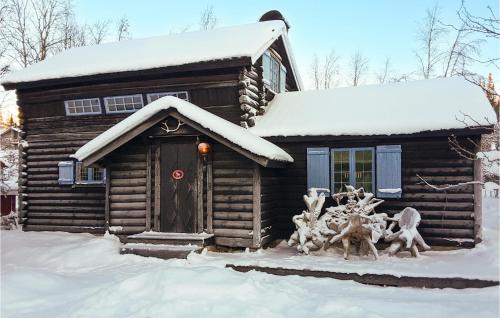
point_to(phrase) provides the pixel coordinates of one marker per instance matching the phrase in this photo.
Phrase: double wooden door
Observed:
(179, 163)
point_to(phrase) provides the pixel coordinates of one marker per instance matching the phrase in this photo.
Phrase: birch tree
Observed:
(123, 29)
(358, 68)
(323, 72)
(208, 19)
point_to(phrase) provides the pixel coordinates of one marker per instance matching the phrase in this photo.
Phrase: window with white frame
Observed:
(86, 106)
(154, 96)
(123, 104)
(274, 73)
(86, 175)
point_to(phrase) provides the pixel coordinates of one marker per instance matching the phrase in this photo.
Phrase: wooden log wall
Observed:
(232, 198)
(447, 217)
(128, 188)
(250, 95)
(51, 137)
(272, 216)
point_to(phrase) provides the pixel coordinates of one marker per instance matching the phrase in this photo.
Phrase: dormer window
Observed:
(274, 72)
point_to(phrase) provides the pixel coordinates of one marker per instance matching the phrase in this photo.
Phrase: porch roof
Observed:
(239, 139)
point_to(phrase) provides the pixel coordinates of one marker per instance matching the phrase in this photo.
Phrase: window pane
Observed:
(341, 174)
(364, 165)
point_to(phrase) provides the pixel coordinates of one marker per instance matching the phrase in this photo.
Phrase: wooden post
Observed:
(148, 188)
(199, 194)
(478, 204)
(210, 228)
(157, 189)
(256, 205)
(107, 198)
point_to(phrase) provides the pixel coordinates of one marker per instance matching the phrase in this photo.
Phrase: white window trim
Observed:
(66, 106)
(78, 166)
(267, 82)
(167, 94)
(122, 111)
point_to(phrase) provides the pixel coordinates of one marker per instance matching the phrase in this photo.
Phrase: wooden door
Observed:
(178, 186)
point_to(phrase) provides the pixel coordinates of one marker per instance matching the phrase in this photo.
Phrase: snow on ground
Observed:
(79, 275)
(482, 262)
(54, 274)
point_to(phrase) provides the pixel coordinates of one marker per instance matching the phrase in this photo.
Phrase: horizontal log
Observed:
(41, 215)
(128, 182)
(232, 173)
(425, 188)
(123, 214)
(62, 136)
(69, 222)
(432, 205)
(65, 189)
(37, 164)
(249, 93)
(58, 144)
(52, 149)
(78, 202)
(439, 196)
(127, 166)
(127, 222)
(233, 242)
(128, 198)
(127, 190)
(233, 233)
(232, 198)
(50, 157)
(73, 195)
(232, 181)
(245, 78)
(243, 216)
(439, 180)
(237, 207)
(66, 209)
(128, 206)
(45, 176)
(437, 214)
(452, 233)
(54, 170)
(226, 224)
(452, 224)
(128, 174)
(439, 171)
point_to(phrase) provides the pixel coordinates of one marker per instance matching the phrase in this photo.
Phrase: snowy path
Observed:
(78, 275)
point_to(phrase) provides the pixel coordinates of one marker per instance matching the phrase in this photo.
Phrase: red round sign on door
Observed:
(177, 174)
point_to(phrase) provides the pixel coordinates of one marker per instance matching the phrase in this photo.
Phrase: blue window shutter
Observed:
(318, 168)
(66, 172)
(389, 171)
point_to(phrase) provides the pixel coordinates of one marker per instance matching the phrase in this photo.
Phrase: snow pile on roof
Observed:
(398, 108)
(235, 134)
(249, 40)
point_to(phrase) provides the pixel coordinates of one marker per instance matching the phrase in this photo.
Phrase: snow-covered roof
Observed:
(248, 40)
(233, 133)
(397, 108)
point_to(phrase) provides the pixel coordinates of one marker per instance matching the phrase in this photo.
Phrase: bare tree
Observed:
(72, 34)
(98, 31)
(384, 75)
(208, 20)
(123, 29)
(4, 65)
(430, 34)
(47, 16)
(358, 68)
(16, 31)
(323, 73)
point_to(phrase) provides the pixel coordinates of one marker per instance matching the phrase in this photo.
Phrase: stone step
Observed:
(198, 239)
(160, 251)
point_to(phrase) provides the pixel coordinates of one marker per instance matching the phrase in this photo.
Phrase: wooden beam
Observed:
(157, 189)
(478, 204)
(199, 194)
(107, 198)
(210, 228)
(148, 188)
(256, 206)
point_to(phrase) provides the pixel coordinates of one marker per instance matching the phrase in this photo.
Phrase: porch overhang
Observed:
(235, 137)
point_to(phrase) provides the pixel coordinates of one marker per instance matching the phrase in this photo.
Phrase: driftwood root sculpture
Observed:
(407, 237)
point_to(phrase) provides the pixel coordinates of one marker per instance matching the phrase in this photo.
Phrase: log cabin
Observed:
(209, 138)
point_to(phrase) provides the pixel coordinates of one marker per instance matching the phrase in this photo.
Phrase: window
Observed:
(83, 106)
(274, 73)
(86, 175)
(354, 166)
(154, 96)
(123, 104)
(377, 170)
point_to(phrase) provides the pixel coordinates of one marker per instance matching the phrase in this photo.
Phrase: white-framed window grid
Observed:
(85, 175)
(123, 104)
(154, 96)
(274, 73)
(86, 106)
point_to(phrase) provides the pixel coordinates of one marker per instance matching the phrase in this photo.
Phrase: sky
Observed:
(379, 29)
